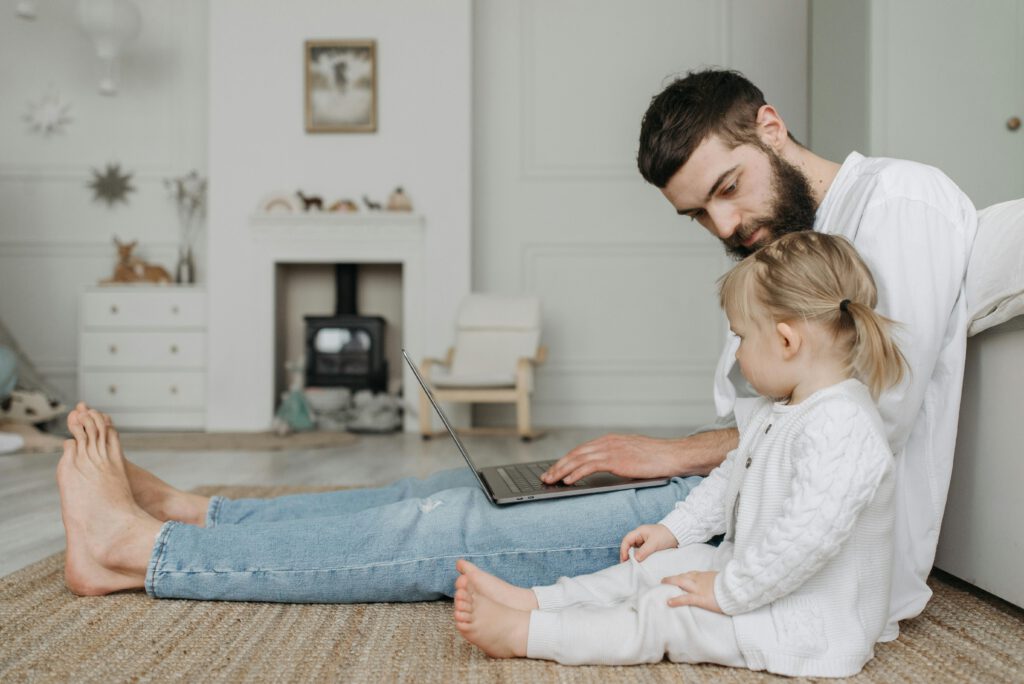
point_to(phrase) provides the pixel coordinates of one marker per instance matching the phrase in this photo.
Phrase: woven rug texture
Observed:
(49, 635)
(233, 441)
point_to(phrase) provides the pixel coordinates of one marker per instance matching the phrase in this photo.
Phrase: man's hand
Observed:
(624, 455)
(699, 588)
(649, 538)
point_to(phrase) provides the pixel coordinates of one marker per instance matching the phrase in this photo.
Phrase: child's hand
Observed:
(699, 588)
(649, 538)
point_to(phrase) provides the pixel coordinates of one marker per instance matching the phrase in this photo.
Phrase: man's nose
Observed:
(724, 221)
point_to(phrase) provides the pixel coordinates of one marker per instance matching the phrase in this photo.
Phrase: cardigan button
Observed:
(749, 461)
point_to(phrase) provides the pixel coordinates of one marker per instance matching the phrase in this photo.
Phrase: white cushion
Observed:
(499, 311)
(492, 353)
(995, 274)
(441, 379)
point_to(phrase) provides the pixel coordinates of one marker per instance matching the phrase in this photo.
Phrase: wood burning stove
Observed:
(346, 349)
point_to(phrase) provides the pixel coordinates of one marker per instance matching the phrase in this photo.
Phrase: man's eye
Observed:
(731, 189)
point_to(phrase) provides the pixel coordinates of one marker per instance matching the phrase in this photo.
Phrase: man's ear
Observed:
(771, 128)
(790, 339)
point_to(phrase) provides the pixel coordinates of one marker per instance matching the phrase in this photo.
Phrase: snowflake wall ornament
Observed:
(111, 185)
(48, 115)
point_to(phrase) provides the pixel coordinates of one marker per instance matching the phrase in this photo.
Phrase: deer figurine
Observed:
(132, 269)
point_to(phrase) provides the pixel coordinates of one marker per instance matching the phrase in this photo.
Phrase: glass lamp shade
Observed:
(110, 24)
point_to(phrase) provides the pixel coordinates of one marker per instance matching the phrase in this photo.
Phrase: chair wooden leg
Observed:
(523, 414)
(426, 417)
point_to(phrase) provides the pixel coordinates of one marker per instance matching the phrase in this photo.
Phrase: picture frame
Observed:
(341, 86)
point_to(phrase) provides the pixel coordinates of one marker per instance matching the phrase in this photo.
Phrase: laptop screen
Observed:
(444, 419)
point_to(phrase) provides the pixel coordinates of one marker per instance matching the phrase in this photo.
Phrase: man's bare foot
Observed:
(156, 497)
(499, 631)
(109, 537)
(478, 581)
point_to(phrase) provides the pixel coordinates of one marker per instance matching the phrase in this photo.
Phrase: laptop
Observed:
(519, 482)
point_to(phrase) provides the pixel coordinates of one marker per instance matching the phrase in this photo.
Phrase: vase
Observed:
(185, 274)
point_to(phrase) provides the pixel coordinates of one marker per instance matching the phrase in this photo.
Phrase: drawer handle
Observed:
(174, 389)
(174, 349)
(113, 308)
(112, 389)
(113, 349)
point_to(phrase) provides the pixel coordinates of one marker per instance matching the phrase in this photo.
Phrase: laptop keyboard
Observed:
(526, 478)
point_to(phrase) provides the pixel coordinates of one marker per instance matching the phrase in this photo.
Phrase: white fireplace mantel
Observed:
(358, 238)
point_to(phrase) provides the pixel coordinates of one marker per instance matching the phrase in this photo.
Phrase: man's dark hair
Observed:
(683, 115)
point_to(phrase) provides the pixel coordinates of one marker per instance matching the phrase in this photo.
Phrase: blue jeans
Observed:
(395, 543)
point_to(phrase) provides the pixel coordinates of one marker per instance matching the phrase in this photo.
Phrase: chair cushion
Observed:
(492, 353)
(499, 311)
(450, 380)
(995, 274)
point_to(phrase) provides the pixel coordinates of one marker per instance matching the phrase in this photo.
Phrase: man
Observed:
(722, 157)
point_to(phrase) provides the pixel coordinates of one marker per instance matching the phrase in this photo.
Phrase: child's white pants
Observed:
(620, 616)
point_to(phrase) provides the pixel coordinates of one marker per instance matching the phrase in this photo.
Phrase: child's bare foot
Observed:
(156, 497)
(481, 582)
(499, 631)
(109, 537)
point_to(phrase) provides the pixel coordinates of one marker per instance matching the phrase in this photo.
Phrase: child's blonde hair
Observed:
(821, 278)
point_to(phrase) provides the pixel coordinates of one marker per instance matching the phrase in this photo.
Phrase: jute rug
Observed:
(233, 441)
(49, 635)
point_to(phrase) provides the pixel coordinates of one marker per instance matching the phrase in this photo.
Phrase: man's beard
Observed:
(793, 209)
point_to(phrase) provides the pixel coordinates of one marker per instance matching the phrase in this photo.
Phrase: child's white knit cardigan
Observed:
(806, 499)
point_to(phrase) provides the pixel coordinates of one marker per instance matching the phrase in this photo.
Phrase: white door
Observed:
(949, 86)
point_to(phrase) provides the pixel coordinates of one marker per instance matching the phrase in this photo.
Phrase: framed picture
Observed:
(341, 86)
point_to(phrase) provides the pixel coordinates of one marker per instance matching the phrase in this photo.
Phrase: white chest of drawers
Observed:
(142, 355)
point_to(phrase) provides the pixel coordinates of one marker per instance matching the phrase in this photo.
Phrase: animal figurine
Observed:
(370, 204)
(310, 202)
(399, 201)
(132, 269)
(343, 206)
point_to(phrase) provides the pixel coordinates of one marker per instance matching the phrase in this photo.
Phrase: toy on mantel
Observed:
(370, 204)
(310, 202)
(343, 206)
(399, 201)
(132, 269)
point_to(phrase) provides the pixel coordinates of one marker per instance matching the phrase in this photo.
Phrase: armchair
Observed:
(497, 346)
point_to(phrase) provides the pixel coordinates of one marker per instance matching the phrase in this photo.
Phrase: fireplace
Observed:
(346, 349)
(296, 257)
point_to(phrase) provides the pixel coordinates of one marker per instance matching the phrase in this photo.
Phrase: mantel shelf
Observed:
(358, 218)
(286, 233)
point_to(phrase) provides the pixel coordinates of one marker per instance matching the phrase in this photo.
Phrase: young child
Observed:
(800, 586)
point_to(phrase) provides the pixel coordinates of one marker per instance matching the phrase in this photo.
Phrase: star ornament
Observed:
(48, 115)
(111, 185)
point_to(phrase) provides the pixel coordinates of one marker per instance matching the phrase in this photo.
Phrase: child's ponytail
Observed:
(874, 356)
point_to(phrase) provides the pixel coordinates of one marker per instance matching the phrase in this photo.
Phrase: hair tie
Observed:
(844, 306)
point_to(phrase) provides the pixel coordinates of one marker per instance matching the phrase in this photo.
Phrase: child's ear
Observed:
(790, 339)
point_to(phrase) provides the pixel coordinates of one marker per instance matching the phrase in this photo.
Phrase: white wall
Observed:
(840, 71)
(550, 94)
(628, 287)
(54, 239)
(258, 145)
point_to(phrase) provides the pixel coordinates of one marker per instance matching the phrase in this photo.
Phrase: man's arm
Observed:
(643, 457)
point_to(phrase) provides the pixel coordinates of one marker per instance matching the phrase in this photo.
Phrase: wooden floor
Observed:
(30, 526)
